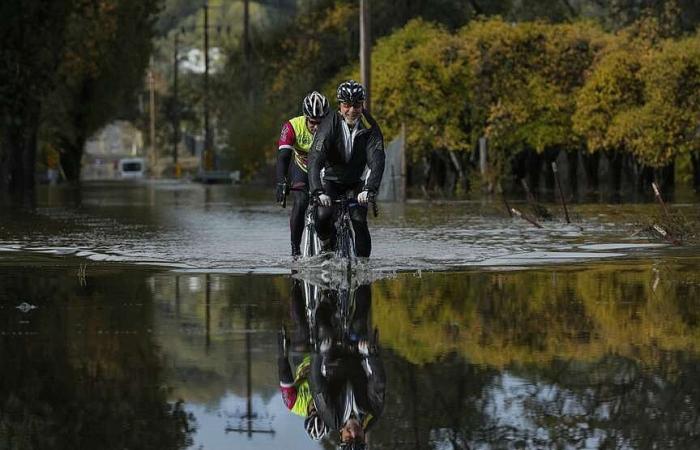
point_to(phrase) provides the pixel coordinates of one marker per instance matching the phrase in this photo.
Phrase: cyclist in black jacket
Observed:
(348, 386)
(346, 143)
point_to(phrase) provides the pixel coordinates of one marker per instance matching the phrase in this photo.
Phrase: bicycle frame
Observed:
(310, 243)
(344, 232)
(344, 305)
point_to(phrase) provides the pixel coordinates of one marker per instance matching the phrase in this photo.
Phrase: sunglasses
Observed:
(356, 105)
(313, 121)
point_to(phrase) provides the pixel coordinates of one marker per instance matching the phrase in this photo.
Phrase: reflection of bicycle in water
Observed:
(344, 375)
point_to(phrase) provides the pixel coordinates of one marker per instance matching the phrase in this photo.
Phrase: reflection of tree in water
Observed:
(204, 373)
(536, 316)
(617, 403)
(612, 403)
(589, 358)
(433, 403)
(88, 378)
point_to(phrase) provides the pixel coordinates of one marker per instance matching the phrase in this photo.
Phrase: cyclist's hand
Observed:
(363, 197)
(281, 192)
(363, 347)
(324, 200)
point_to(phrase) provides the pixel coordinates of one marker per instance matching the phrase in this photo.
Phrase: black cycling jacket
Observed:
(328, 151)
(367, 379)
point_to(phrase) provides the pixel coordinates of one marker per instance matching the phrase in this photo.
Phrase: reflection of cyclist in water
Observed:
(296, 393)
(347, 377)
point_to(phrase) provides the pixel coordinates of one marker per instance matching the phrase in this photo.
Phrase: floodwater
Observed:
(143, 316)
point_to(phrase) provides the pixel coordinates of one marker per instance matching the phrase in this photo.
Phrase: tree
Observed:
(32, 33)
(666, 124)
(108, 44)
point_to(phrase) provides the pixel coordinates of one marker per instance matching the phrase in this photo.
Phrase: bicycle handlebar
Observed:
(371, 199)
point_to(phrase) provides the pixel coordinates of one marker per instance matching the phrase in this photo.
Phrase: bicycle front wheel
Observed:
(346, 246)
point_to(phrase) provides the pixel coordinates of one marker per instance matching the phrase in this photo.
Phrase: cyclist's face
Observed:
(352, 431)
(351, 112)
(312, 124)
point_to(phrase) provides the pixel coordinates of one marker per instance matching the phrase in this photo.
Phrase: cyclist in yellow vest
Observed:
(295, 140)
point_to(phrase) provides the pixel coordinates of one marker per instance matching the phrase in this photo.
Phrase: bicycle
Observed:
(340, 295)
(344, 232)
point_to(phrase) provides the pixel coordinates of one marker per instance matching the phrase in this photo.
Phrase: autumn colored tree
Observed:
(102, 68)
(421, 82)
(665, 125)
(68, 67)
(528, 73)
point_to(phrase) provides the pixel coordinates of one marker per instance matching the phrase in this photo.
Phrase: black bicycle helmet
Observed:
(315, 105)
(350, 91)
(315, 427)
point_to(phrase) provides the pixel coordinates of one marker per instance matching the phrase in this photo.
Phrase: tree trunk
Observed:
(549, 156)
(646, 176)
(18, 160)
(665, 177)
(572, 161)
(438, 175)
(615, 157)
(14, 158)
(29, 166)
(591, 162)
(71, 156)
(695, 159)
(518, 167)
(426, 175)
(533, 165)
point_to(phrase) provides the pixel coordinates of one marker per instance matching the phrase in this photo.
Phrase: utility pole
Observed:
(176, 106)
(208, 151)
(365, 49)
(152, 110)
(249, 415)
(246, 49)
(207, 313)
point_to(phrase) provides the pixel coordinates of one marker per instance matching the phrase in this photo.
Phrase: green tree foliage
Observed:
(525, 76)
(421, 81)
(538, 317)
(666, 124)
(641, 96)
(108, 44)
(80, 381)
(257, 96)
(68, 67)
(510, 82)
(32, 35)
(613, 86)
